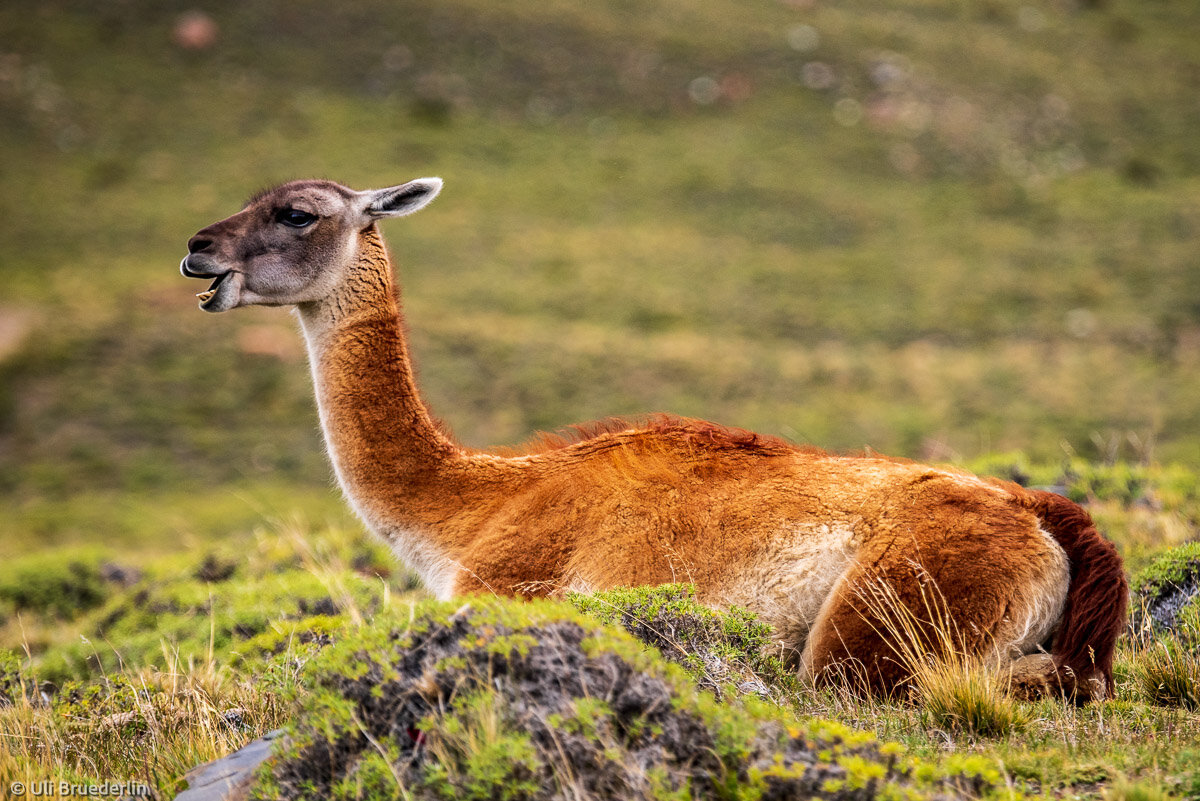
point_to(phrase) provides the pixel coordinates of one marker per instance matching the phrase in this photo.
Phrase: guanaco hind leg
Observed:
(991, 597)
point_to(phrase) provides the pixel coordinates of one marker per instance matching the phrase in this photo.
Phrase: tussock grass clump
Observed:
(1167, 672)
(504, 700)
(955, 688)
(185, 659)
(728, 652)
(965, 696)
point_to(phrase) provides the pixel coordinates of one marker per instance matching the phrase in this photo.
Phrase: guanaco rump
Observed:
(797, 535)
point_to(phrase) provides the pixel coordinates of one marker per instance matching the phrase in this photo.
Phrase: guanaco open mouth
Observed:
(209, 293)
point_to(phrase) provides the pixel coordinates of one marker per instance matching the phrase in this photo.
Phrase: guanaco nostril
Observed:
(196, 244)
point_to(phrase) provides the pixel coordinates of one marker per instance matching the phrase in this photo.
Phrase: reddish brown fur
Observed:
(1099, 591)
(793, 533)
(698, 431)
(941, 586)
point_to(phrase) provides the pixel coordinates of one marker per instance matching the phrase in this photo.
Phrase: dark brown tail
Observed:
(1097, 599)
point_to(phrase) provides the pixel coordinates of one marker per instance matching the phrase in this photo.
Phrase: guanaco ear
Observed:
(397, 201)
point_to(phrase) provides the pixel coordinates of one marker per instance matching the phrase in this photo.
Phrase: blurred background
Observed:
(947, 230)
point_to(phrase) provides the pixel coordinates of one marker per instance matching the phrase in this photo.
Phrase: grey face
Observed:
(292, 244)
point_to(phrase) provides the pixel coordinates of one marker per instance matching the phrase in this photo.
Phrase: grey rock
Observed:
(229, 778)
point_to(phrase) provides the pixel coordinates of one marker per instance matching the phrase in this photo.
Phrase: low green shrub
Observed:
(1124, 789)
(55, 583)
(171, 615)
(725, 651)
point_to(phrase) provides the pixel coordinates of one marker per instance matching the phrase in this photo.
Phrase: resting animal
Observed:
(801, 537)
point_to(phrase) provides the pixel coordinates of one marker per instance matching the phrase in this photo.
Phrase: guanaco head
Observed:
(292, 244)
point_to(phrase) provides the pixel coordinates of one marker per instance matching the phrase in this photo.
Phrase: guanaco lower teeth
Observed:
(206, 296)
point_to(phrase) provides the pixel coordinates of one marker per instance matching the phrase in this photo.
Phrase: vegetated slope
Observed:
(915, 226)
(533, 701)
(184, 657)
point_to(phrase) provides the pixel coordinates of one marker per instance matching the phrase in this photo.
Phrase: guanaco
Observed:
(793, 533)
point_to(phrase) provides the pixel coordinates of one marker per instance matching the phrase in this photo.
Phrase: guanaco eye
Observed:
(295, 218)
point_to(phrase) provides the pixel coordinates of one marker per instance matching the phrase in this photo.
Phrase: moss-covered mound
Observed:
(507, 700)
(728, 652)
(1166, 595)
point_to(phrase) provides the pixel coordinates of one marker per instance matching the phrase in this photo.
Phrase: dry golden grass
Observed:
(146, 727)
(954, 689)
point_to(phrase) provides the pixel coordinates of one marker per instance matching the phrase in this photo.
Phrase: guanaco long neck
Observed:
(392, 461)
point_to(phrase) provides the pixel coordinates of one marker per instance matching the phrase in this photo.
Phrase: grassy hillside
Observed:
(918, 228)
(957, 231)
